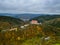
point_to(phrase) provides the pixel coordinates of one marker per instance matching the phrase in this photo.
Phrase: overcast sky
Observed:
(29, 6)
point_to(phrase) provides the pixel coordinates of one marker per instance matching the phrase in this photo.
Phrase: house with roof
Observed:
(35, 22)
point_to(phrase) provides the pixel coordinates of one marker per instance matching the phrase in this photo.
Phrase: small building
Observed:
(13, 29)
(22, 27)
(26, 25)
(34, 22)
(40, 23)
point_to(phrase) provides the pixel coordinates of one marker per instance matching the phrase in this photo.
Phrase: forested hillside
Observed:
(7, 22)
(43, 18)
(46, 33)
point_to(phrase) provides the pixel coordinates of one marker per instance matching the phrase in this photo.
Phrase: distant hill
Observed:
(24, 16)
(7, 22)
(44, 18)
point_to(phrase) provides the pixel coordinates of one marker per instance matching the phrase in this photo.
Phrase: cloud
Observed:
(30, 6)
